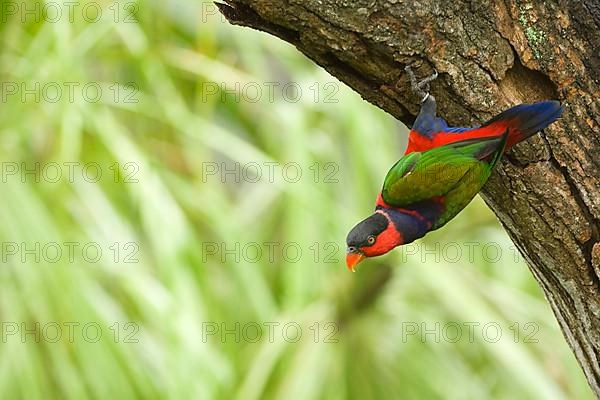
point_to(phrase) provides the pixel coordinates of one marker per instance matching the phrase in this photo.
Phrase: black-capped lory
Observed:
(422, 192)
(441, 172)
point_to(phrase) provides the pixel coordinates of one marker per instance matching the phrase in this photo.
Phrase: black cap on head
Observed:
(371, 226)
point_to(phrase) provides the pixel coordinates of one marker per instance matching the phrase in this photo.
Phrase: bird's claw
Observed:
(420, 88)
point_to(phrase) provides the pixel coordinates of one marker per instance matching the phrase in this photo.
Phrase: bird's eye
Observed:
(371, 239)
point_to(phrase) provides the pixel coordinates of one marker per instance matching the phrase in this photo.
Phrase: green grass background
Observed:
(157, 206)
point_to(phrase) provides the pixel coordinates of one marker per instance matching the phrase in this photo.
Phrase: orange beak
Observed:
(352, 260)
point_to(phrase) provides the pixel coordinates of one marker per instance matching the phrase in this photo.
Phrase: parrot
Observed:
(441, 172)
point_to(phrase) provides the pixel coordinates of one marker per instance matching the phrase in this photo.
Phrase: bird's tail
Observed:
(524, 120)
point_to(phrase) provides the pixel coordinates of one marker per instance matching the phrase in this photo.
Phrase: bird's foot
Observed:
(420, 88)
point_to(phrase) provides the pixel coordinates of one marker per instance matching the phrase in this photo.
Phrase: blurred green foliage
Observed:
(194, 265)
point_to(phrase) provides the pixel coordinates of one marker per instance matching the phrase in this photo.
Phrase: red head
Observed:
(373, 236)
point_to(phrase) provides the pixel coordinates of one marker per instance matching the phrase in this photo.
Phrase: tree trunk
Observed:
(490, 55)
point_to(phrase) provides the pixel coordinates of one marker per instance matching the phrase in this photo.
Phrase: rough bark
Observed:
(490, 55)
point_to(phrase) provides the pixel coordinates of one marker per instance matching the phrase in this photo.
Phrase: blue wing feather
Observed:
(530, 118)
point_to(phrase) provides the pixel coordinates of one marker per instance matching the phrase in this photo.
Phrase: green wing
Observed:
(437, 172)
